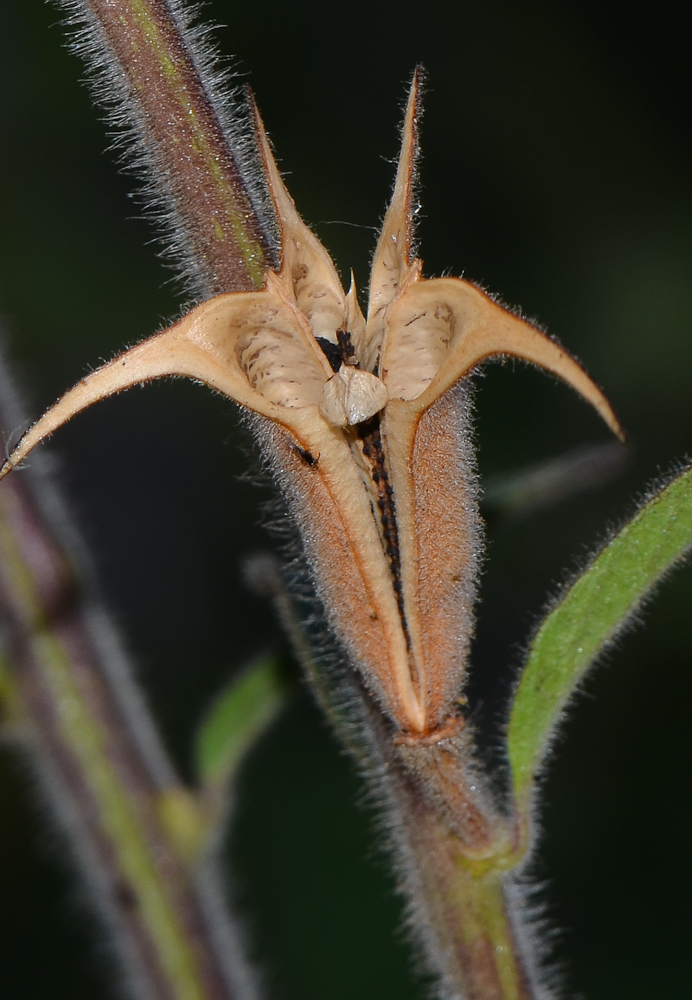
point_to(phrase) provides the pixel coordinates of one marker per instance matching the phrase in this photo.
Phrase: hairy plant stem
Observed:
(453, 852)
(467, 903)
(203, 176)
(134, 828)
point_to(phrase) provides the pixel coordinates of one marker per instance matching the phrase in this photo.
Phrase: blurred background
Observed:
(557, 172)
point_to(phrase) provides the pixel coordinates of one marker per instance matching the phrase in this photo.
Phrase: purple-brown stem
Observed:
(198, 157)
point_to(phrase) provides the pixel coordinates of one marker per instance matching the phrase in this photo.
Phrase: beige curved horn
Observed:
(208, 345)
(441, 329)
(392, 256)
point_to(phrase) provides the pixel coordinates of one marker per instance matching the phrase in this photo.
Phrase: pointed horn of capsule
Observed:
(307, 271)
(354, 321)
(441, 329)
(152, 359)
(523, 341)
(392, 259)
(394, 244)
(203, 346)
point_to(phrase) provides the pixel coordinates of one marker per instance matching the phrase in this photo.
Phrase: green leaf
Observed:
(236, 720)
(591, 613)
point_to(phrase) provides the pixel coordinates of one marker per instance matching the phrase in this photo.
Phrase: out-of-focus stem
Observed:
(132, 825)
(196, 170)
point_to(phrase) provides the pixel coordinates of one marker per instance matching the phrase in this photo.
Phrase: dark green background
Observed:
(557, 171)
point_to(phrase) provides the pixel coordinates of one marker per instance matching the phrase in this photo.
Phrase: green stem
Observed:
(460, 888)
(494, 967)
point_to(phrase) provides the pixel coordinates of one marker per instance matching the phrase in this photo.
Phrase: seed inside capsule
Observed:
(352, 396)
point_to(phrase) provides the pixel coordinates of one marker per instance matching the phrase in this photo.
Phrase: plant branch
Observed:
(456, 854)
(134, 829)
(196, 149)
(453, 853)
